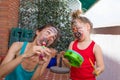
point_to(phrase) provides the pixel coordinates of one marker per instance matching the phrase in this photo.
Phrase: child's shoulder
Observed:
(72, 42)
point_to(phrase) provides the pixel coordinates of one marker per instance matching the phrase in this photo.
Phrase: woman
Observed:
(28, 60)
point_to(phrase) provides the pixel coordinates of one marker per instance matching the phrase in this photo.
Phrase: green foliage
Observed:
(39, 12)
(28, 14)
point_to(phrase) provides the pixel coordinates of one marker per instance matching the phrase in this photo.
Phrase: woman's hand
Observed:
(44, 54)
(41, 50)
(37, 51)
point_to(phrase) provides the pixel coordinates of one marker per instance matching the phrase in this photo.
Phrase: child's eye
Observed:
(74, 29)
(80, 27)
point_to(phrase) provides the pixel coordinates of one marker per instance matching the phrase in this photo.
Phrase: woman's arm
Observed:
(41, 68)
(43, 63)
(10, 62)
(99, 60)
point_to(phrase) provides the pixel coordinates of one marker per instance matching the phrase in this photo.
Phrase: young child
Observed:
(93, 64)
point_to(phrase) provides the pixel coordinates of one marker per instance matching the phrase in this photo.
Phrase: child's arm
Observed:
(66, 62)
(99, 60)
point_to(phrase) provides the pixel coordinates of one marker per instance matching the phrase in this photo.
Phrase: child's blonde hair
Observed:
(77, 14)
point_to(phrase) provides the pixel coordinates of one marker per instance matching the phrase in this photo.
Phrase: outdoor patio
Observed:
(48, 75)
(107, 36)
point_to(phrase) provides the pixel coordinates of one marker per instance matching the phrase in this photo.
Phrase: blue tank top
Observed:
(19, 73)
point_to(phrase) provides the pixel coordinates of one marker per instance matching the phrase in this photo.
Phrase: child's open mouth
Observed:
(78, 35)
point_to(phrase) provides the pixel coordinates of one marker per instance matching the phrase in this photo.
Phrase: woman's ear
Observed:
(37, 32)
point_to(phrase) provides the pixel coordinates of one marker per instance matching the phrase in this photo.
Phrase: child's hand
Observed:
(62, 53)
(96, 72)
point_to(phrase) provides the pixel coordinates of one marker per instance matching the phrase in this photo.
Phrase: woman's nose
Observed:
(51, 36)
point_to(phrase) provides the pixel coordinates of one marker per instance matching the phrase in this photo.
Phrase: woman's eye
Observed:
(48, 32)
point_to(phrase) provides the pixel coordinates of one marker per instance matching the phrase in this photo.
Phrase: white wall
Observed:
(105, 13)
(74, 4)
(110, 45)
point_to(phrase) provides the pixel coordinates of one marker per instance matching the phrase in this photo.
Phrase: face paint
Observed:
(46, 40)
(52, 35)
(54, 30)
(48, 36)
(76, 33)
(78, 29)
(43, 42)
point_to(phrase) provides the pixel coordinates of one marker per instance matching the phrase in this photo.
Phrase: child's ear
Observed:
(88, 26)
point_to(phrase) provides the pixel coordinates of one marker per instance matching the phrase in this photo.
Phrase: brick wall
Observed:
(8, 18)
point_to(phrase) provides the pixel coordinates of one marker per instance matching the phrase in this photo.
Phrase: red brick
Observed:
(8, 18)
(4, 4)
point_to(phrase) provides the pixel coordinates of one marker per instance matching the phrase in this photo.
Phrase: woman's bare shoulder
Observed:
(16, 46)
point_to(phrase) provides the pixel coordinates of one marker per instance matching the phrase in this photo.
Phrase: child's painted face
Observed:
(47, 36)
(78, 29)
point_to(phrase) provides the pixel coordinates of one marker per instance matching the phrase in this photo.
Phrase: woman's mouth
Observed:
(43, 42)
